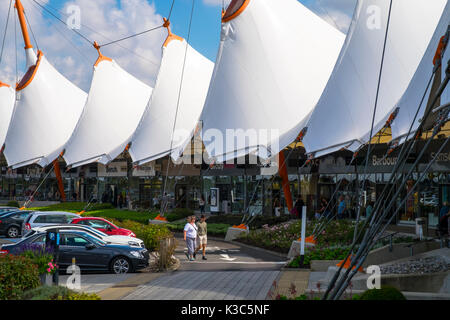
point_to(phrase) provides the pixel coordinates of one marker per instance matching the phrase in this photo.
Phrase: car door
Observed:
(74, 246)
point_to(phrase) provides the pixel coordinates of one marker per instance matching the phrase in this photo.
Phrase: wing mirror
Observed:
(90, 246)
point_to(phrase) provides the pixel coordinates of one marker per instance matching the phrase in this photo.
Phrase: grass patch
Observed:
(103, 210)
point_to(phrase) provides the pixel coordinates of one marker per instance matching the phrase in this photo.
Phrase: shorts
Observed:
(202, 239)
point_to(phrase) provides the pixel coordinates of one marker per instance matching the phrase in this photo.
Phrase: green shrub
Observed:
(257, 223)
(318, 253)
(385, 293)
(13, 203)
(151, 234)
(17, 274)
(178, 214)
(56, 293)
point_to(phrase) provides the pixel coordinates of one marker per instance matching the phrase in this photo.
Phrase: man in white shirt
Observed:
(190, 236)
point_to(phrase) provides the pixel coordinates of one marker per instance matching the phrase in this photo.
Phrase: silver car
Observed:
(46, 218)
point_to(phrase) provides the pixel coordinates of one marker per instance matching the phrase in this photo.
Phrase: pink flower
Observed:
(51, 265)
(48, 270)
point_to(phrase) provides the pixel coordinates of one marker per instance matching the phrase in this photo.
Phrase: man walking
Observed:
(342, 207)
(190, 236)
(202, 232)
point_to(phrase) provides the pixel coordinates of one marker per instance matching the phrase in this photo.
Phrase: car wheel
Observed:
(120, 265)
(13, 232)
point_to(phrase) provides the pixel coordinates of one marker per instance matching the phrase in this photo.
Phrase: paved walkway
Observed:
(231, 272)
(215, 285)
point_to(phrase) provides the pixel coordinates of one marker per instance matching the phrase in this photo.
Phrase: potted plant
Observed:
(42, 257)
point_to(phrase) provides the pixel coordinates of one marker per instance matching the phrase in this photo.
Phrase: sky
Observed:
(107, 20)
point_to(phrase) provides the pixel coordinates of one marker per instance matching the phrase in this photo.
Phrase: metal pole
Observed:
(302, 244)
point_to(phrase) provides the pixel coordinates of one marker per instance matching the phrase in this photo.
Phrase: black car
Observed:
(91, 254)
(11, 222)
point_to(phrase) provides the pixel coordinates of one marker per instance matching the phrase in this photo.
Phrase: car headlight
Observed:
(136, 254)
(133, 244)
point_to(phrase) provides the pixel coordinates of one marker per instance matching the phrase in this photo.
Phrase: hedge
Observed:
(17, 274)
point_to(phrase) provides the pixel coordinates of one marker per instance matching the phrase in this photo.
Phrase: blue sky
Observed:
(119, 18)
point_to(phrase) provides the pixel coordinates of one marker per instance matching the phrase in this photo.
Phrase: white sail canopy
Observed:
(114, 107)
(46, 112)
(343, 116)
(172, 115)
(7, 99)
(446, 94)
(411, 100)
(274, 61)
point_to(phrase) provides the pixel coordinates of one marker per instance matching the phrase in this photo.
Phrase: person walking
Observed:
(190, 236)
(341, 208)
(201, 204)
(202, 236)
(298, 207)
(444, 210)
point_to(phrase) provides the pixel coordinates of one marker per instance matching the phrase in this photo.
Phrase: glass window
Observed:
(41, 219)
(74, 241)
(56, 219)
(39, 240)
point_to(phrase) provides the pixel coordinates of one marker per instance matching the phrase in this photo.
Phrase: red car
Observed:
(104, 226)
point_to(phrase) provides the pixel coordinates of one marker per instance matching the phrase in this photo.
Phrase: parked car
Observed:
(11, 223)
(121, 240)
(104, 226)
(91, 253)
(7, 209)
(43, 218)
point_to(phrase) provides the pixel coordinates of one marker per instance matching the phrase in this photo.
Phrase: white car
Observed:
(120, 240)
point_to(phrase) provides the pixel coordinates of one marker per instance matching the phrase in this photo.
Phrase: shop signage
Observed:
(114, 169)
(441, 157)
(214, 204)
(146, 170)
(381, 161)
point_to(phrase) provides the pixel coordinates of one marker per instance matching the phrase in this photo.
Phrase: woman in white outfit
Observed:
(190, 236)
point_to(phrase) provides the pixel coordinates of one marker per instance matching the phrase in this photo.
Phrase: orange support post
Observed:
(347, 265)
(285, 180)
(59, 179)
(23, 24)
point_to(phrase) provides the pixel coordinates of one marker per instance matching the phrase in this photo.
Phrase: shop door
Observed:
(181, 196)
(379, 190)
(225, 197)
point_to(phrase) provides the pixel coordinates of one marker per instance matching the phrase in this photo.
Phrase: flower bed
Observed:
(279, 237)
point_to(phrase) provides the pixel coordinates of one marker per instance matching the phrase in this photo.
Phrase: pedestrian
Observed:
(444, 210)
(202, 236)
(298, 207)
(276, 207)
(120, 200)
(325, 209)
(342, 207)
(369, 210)
(190, 236)
(201, 204)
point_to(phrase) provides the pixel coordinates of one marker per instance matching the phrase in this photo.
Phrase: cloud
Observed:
(338, 13)
(216, 2)
(74, 57)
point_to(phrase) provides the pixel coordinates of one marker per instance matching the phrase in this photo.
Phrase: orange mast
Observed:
(23, 24)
